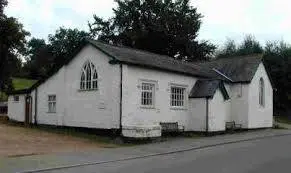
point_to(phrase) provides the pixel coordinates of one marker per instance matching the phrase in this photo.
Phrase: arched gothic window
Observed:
(261, 92)
(89, 77)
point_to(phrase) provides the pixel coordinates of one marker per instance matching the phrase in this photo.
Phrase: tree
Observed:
(12, 41)
(64, 43)
(38, 59)
(3, 3)
(44, 58)
(229, 49)
(277, 59)
(249, 46)
(164, 27)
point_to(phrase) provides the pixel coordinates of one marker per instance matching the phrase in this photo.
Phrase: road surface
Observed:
(267, 155)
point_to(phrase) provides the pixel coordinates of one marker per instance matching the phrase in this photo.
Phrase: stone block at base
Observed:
(142, 132)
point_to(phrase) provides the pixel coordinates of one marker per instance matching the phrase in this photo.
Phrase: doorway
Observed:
(28, 109)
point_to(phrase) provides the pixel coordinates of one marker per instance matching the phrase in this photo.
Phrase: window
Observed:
(16, 98)
(178, 96)
(261, 92)
(89, 77)
(147, 94)
(52, 103)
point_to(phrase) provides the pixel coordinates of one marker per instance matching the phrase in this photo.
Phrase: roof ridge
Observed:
(166, 57)
(131, 48)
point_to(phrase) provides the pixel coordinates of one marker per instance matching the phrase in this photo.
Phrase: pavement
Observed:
(204, 153)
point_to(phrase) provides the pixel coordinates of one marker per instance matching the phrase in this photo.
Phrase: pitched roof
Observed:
(234, 69)
(150, 60)
(207, 89)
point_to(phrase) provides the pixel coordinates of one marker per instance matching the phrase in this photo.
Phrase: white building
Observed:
(110, 87)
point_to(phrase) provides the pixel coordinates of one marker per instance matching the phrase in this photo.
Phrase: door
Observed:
(28, 109)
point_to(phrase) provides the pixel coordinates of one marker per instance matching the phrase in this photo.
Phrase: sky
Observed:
(264, 19)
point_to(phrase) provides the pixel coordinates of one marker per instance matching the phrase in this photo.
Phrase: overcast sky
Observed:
(265, 19)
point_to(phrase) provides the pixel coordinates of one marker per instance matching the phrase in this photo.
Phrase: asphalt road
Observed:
(270, 155)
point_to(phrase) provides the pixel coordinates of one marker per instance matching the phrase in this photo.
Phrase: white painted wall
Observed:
(94, 109)
(259, 116)
(197, 118)
(228, 116)
(53, 86)
(239, 103)
(134, 115)
(218, 112)
(16, 110)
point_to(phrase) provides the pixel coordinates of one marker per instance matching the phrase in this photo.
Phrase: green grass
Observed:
(18, 84)
(3, 97)
(283, 119)
(22, 83)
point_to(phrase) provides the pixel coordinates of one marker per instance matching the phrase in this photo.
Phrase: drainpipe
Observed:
(120, 106)
(207, 116)
(35, 107)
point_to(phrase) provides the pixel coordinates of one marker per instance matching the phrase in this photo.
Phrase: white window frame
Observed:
(179, 96)
(52, 103)
(141, 85)
(89, 77)
(14, 98)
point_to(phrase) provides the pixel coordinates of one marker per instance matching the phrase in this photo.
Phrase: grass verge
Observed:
(283, 119)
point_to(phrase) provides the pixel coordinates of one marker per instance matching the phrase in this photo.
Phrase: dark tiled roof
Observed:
(150, 60)
(237, 69)
(3, 104)
(207, 89)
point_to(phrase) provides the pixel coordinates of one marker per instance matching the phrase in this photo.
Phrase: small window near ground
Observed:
(178, 96)
(52, 103)
(16, 98)
(261, 92)
(147, 94)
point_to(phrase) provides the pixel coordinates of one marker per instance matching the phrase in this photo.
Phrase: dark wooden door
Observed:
(28, 108)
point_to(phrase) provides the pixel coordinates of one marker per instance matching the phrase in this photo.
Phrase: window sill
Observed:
(147, 107)
(87, 90)
(179, 108)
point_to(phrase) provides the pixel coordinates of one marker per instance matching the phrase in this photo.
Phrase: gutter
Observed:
(120, 102)
(207, 116)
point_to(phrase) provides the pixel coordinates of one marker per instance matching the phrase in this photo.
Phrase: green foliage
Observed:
(12, 43)
(64, 43)
(277, 58)
(165, 27)
(43, 58)
(18, 84)
(38, 59)
(249, 46)
(22, 83)
(3, 3)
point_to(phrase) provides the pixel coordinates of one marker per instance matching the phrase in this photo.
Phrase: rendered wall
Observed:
(260, 116)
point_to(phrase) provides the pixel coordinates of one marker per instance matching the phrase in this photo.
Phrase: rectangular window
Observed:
(147, 94)
(16, 98)
(52, 103)
(178, 96)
